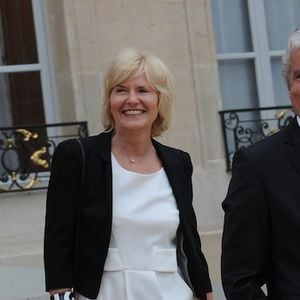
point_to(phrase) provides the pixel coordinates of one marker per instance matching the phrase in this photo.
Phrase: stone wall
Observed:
(86, 35)
(83, 36)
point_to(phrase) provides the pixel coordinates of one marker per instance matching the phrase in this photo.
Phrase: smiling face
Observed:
(294, 80)
(134, 105)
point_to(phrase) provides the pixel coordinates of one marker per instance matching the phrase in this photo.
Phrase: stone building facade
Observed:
(81, 37)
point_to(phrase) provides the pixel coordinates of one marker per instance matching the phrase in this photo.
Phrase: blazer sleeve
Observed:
(197, 274)
(61, 216)
(246, 229)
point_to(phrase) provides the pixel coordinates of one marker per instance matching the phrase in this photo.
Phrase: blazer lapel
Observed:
(174, 169)
(102, 145)
(172, 164)
(292, 139)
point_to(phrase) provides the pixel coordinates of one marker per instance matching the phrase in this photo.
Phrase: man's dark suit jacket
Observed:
(261, 238)
(92, 236)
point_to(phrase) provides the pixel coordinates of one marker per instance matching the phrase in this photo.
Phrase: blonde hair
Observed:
(293, 43)
(123, 67)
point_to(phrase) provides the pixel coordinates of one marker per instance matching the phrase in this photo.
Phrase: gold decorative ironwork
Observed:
(244, 127)
(281, 114)
(31, 184)
(15, 179)
(9, 142)
(36, 158)
(272, 130)
(27, 135)
(26, 154)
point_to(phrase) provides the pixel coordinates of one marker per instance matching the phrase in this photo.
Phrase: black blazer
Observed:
(75, 257)
(261, 238)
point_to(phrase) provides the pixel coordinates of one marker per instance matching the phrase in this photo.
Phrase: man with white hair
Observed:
(261, 237)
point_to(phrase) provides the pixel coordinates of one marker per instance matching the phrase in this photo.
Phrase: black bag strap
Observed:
(81, 190)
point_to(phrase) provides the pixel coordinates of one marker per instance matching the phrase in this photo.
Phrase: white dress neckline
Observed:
(141, 263)
(117, 165)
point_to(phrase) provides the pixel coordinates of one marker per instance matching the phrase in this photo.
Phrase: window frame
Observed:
(43, 65)
(261, 55)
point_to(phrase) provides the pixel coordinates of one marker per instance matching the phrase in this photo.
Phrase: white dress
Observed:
(141, 263)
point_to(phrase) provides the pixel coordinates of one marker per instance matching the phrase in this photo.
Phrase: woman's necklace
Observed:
(132, 159)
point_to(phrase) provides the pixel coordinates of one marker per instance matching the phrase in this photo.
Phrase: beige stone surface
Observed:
(21, 228)
(211, 247)
(97, 30)
(60, 61)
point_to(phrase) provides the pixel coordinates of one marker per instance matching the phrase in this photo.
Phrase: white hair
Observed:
(293, 43)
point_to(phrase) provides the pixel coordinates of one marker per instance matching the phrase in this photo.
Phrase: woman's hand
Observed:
(209, 296)
(58, 291)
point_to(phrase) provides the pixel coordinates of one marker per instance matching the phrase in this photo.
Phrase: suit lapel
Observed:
(292, 139)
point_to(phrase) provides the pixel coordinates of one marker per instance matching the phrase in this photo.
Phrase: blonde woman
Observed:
(137, 237)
